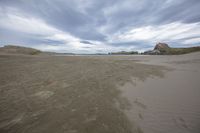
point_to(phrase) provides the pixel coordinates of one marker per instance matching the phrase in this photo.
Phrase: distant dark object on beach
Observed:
(124, 53)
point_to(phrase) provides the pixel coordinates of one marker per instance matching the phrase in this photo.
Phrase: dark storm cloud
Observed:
(86, 42)
(98, 20)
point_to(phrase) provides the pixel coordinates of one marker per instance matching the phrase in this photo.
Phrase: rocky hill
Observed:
(161, 46)
(165, 49)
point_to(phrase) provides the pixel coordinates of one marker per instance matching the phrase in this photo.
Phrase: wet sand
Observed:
(169, 104)
(101, 94)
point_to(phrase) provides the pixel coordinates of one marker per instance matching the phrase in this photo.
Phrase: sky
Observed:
(99, 26)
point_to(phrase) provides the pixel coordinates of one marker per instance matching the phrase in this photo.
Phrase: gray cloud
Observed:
(98, 20)
(86, 42)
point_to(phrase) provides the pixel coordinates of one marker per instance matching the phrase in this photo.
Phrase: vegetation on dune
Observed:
(177, 51)
(10, 49)
(35, 52)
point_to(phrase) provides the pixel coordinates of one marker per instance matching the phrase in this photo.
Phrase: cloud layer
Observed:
(95, 26)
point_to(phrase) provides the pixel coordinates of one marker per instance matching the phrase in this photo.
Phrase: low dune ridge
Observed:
(12, 49)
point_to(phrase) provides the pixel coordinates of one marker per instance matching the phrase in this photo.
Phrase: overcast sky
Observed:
(97, 26)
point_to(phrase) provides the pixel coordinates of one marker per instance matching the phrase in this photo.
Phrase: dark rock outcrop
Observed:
(161, 46)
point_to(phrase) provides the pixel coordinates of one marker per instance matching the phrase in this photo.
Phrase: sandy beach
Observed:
(171, 103)
(100, 94)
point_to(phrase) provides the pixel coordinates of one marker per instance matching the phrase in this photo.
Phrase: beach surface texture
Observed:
(100, 94)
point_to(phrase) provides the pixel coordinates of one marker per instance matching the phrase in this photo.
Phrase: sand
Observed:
(101, 94)
(169, 104)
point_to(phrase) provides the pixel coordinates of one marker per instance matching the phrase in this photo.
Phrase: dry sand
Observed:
(99, 94)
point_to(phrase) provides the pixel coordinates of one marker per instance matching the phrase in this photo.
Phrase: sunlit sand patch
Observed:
(44, 94)
(65, 85)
